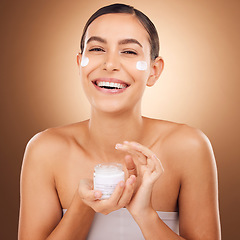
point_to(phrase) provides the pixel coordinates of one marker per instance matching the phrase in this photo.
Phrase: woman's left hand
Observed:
(148, 169)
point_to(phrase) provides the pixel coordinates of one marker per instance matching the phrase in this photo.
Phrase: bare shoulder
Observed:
(189, 142)
(48, 145)
(181, 142)
(52, 138)
(43, 145)
(189, 150)
(181, 136)
(185, 136)
(38, 180)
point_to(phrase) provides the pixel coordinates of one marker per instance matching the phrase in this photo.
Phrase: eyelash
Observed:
(96, 50)
(102, 50)
(130, 52)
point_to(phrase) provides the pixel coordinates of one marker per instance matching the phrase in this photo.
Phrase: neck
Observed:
(106, 130)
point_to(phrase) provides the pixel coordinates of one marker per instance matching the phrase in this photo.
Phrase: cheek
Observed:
(84, 61)
(87, 65)
(141, 65)
(139, 70)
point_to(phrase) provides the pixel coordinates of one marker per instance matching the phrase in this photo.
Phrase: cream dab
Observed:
(84, 61)
(141, 65)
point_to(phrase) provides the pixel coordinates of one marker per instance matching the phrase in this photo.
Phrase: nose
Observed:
(112, 62)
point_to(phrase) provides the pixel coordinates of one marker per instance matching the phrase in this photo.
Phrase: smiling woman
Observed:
(170, 187)
(124, 55)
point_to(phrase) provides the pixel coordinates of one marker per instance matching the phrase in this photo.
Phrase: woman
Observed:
(169, 167)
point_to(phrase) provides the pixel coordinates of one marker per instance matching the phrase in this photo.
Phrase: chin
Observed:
(110, 106)
(116, 108)
(111, 109)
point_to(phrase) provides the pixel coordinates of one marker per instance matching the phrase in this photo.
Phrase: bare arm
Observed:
(40, 209)
(76, 222)
(198, 199)
(140, 207)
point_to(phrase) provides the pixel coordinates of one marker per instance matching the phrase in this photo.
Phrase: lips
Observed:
(110, 85)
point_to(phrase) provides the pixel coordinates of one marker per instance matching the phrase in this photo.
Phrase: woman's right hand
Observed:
(120, 198)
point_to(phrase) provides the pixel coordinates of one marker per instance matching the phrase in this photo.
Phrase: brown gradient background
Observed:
(40, 87)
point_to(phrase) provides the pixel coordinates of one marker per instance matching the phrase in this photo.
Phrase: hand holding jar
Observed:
(102, 199)
(108, 192)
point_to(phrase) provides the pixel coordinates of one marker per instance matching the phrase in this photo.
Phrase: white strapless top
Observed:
(120, 225)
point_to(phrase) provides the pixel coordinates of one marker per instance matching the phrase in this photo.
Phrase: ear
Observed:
(79, 58)
(156, 70)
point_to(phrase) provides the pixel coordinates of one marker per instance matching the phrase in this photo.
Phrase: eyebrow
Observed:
(95, 38)
(121, 42)
(130, 40)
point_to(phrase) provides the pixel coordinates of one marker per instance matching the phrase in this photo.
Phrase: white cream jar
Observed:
(106, 178)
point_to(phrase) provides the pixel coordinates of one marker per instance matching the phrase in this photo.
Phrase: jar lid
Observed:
(108, 168)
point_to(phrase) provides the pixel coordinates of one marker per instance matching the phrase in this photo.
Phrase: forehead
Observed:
(118, 26)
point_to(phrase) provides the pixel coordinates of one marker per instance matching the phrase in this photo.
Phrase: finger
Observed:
(158, 169)
(130, 165)
(129, 149)
(151, 164)
(86, 190)
(128, 191)
(137, 146)
(125, 147)
(158, 164)
(116, 195)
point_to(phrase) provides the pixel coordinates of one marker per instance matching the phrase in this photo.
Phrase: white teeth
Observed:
(110, 84)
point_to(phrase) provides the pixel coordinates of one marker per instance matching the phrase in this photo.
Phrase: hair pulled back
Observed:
(122, 8)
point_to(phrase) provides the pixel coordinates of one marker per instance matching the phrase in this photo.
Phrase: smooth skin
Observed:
(168, 166)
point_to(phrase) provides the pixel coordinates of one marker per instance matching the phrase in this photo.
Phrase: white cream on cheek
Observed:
(141, 65)
(84, 61)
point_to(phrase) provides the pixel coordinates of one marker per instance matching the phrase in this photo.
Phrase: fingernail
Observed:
(97, 195)
(135, 144)
(122, 184)
(126, 142)
(129, 181)
(118, 145)
(133, 177)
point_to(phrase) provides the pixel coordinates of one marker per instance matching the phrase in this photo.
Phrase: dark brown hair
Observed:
(122, 8)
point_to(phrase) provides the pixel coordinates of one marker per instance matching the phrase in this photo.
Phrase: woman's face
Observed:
(115, 64)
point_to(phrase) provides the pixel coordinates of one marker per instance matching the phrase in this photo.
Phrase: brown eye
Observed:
(96, 50)
(130, 52)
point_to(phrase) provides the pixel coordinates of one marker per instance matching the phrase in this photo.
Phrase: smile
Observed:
(110, 85)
